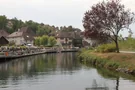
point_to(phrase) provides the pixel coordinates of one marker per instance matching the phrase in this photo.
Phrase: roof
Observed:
(24, 32)
(73, 35)
(3, 33)
(3, 41)
(23, 29)
(27, 30)
(16, 34)
(64, 35)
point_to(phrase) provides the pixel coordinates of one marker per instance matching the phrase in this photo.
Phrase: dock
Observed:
(11, 56)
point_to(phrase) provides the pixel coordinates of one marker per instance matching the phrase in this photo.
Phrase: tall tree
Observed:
(33, 25)
(3, 22)
(108, 19)
(17, 24)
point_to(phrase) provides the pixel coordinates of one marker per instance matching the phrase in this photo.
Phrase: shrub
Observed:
(106, 48)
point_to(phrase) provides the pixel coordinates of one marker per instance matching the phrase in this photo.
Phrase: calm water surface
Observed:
(58, 72)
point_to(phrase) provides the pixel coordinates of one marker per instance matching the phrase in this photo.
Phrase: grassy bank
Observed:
(127, 45)
(122, 62)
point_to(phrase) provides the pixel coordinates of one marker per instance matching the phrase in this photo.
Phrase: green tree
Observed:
(3, 22)
(16, 24)
(33, 25)
(52, 41)
(44, 40)
(44, 29)
(37, 41)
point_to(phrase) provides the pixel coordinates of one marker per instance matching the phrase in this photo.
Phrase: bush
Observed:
(106, 48)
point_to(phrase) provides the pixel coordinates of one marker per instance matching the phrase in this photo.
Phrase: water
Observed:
(59, 72)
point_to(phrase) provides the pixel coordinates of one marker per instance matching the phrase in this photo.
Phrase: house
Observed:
(24, 36)
(3, 37)
(3, 41)
(70, 39)
(77, 39)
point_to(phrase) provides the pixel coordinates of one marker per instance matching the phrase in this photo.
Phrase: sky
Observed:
(53, 12)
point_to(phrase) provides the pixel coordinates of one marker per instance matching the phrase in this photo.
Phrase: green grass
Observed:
(127, 45)
(108, 60)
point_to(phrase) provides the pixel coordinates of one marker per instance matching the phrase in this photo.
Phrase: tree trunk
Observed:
(117, 46)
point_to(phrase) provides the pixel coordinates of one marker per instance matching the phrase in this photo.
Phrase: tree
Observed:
(44, 40)
(32, 25)
(3, 22)
(43, 30)
(17, 24)
(52, 41)
(37, 41)
(107, 19)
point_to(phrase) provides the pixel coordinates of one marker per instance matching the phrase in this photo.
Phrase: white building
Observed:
(24, 36)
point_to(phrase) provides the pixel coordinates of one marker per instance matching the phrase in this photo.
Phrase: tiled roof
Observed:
(16, 34)
(24, 32)
(3, 33)
(72, 35)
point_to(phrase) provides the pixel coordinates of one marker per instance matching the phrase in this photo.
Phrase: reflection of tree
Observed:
(110, 74)
(32, 66)
(117, 83)
(96, 87)
(67, 62)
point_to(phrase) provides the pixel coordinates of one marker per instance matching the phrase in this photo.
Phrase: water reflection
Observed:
(96, 87)
(58, 72)
(40, 64)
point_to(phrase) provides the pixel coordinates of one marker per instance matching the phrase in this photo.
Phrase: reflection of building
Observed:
(24, 36)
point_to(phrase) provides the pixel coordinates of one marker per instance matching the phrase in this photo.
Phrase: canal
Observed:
(60, 71)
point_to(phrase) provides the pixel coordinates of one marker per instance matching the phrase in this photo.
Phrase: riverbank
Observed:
(121, 62)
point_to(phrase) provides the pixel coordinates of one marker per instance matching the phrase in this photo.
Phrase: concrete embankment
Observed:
(121, 62)
(6, 56)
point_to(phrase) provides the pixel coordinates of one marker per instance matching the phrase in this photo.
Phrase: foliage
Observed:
(23, 47)
(107, 19)
(106, 48)
(3, 22)
(16, 24)
(32, 25)
(44, 30)
(37, 41)
(45, 41)
(69, 29)
(40, 29)
(103, 60)
(52, 41)
(128, 44)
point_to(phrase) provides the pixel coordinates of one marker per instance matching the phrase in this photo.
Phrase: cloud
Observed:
(54, 12)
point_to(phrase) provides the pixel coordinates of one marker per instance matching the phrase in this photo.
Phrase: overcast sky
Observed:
(52, 12)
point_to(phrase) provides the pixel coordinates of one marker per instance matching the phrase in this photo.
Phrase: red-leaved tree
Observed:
(107, 19)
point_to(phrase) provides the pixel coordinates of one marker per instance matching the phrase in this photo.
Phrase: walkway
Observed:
(127, 52)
